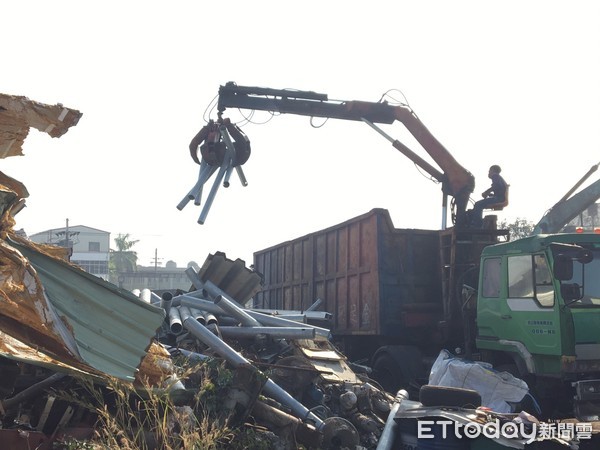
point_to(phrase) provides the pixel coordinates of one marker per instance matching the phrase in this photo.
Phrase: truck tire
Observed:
(430, 395)
(387, 372)
(397, 367)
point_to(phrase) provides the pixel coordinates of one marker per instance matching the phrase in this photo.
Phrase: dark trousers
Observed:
(477, 213)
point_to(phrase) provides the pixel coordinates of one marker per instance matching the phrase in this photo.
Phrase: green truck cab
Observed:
(538, 311)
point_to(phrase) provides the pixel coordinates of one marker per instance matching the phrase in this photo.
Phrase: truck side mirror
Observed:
(585, 256)
(563, 267)
(570, 292)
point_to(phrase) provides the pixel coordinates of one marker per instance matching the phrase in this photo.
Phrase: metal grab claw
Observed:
(219, 151)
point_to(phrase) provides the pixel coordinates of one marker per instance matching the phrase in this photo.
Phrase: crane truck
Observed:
(399, 296)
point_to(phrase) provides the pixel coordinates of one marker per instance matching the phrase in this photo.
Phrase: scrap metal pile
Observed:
(62, 328)
(309, 386)
(288, 382)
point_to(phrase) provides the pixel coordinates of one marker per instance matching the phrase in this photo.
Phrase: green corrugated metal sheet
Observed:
(112, 327)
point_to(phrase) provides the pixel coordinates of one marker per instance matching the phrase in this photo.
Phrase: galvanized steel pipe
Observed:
(184, 313)
(166, 301)
(235, 359)
(213, 290)
(198, 315)
(235, 311)
(388, 435)
(321, 334)
(145, 295)
(276, 332)
(175, 324)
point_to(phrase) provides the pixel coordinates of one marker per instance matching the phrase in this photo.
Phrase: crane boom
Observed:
(456, 180)
(569, 206)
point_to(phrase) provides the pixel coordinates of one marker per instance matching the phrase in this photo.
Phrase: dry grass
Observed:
(151, 419)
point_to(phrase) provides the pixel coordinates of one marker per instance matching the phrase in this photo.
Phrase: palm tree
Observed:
(123, 259)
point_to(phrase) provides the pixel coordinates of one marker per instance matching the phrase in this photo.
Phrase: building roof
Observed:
(80, 228)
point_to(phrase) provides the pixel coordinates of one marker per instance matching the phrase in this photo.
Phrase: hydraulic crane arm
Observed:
(570, 206)
(456, 180)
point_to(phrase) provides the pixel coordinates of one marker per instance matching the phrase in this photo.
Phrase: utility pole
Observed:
(69, 247)
(155, 260)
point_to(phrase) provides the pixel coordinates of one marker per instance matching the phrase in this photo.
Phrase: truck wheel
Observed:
(398, 367)
(388, 373)
(430, 395)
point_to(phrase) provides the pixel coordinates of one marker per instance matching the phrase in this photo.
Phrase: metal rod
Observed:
(321, 334)
(209, 170)
(276, 332)
(198, 303)
(155, 298)
(235, 359)
(315, 315)
(235, 311)
(192, 356)
(241, 175)
(192, 192)
(315, 305)
(388, 435)
(213, 190)
(32, 390)
(194, 278)
(184, 313)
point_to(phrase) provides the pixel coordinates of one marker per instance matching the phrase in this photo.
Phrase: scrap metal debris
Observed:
(18, 114)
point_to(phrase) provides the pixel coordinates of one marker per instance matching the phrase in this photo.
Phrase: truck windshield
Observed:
(587, 275)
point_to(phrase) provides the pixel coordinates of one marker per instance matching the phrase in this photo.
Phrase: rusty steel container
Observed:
(374, 279)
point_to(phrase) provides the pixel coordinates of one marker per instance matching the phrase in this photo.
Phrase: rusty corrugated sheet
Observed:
(72, 316)
(52, 313)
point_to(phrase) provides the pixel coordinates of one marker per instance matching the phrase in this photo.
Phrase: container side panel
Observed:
(338, 289)
(369, 306)
(353, 301)
(320, 256)
(373, 278)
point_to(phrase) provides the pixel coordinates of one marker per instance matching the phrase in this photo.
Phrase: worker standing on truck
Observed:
(494, 195)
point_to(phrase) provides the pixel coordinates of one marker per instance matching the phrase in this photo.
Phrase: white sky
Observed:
(515, 83)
